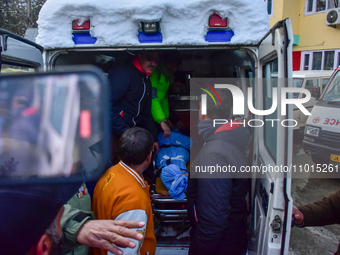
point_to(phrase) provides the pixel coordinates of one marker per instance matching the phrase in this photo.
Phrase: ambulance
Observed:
(217, 42)
(309, 80)
(321, 136)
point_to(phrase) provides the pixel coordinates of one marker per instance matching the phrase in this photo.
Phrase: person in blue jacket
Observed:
(217, 206)
(131, 95)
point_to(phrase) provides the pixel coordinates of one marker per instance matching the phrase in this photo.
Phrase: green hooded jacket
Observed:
(76, 212)
(160, 80)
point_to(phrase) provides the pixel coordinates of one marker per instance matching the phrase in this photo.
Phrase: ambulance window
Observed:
(324, 82)
(250, 76)
(270, 74)
(58, 107)
(333, 90)
(10, 68)
(311, 84)
(297, 83)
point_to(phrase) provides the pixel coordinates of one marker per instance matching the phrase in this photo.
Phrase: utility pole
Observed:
(29, 13)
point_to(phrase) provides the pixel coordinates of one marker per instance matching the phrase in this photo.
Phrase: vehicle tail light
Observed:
(76, 25)
(216, 20)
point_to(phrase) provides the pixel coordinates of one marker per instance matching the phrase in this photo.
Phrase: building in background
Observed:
(316, 28)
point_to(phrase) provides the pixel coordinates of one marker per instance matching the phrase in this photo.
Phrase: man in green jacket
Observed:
(80, 229)
(161, 79)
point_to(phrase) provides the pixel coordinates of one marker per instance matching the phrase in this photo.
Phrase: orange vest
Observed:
(121, 193)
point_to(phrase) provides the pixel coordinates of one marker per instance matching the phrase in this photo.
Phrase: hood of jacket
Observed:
(235, 134)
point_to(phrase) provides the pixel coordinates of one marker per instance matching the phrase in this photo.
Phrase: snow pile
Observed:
(116, 22)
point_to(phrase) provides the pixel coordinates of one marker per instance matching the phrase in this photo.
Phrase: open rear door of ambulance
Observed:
(272, 149)
(18, 54)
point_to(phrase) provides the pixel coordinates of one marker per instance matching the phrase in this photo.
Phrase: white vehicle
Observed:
(322, 132)
(213, 51)
(309, 80)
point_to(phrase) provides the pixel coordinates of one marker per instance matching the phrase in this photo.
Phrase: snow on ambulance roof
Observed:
(183, 22)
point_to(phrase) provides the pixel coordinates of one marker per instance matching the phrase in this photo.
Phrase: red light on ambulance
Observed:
(215, 20)
(78, 26)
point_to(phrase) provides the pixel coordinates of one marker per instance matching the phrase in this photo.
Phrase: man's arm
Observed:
(158, 113)
(103, 233)
(71, 221)
(137, 215)
(119, 83)
(80, 228)
(156, 107)
(323, 212)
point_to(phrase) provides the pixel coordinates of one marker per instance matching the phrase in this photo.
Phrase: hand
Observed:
(166, 129)
(102, 233)
(156, 147)
(298, 216)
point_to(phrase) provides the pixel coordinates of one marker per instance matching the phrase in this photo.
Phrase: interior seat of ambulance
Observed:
(171, 220)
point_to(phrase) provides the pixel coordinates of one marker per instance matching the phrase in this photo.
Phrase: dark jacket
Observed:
(323, 212)
(217, 207)
(131, 100)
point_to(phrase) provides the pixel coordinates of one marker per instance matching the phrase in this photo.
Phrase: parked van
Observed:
(308, 80)
(322, 131)
(256, 62)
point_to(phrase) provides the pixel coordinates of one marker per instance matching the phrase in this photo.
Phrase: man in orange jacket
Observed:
(122, 194)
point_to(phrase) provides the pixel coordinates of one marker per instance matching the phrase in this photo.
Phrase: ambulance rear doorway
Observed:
(170, 216)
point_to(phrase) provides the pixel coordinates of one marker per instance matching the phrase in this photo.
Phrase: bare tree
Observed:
(16, 16)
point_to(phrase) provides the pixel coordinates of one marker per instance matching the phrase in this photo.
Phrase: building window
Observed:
(332, 4)
(269, 7)
(328, 60)
(317, 60)
(317, 6)
(306, 67)
(320, 60)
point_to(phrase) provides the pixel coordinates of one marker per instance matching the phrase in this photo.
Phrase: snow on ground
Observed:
(116, 22)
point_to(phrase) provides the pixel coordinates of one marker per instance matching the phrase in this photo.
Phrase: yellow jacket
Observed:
(122, 194)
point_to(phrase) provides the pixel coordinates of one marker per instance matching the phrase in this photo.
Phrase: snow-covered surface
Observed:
(183, 22)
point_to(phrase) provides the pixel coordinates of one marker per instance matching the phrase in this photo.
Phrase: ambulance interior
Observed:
(170, 216)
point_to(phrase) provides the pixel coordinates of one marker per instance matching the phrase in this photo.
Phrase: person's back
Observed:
(122, 194)
(222, 197)
(216, 191)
